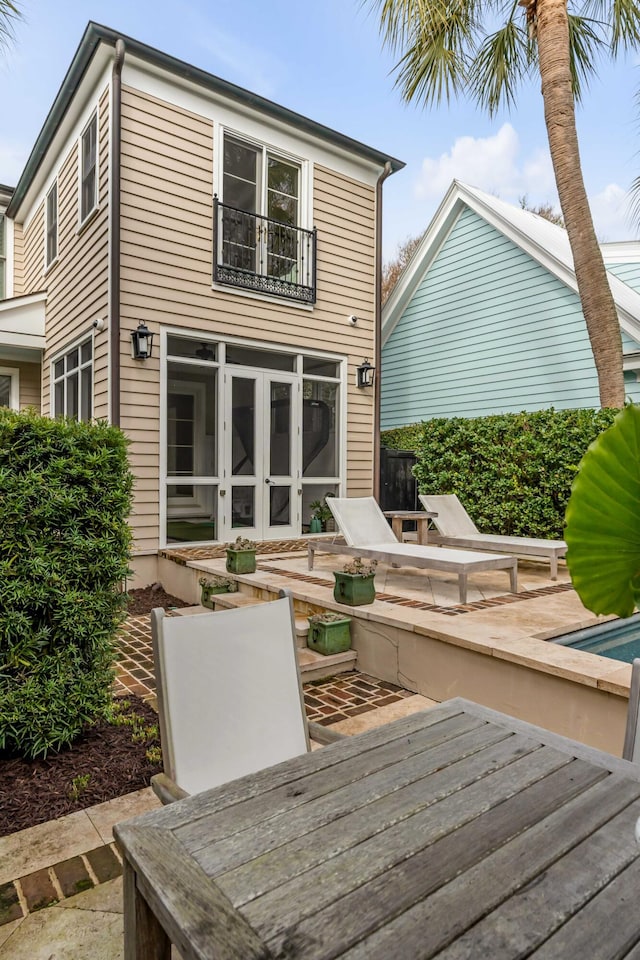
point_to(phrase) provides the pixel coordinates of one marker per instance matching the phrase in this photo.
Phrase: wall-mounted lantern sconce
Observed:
(365, 374)
(141, 342)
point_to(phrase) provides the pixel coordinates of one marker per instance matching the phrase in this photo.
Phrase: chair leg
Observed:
(554, 567)
(309, 557)
(513, 577)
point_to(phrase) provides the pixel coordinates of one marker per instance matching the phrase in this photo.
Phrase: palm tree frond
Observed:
(9, 12)
(586, 42)
(501, 63)
(621, 19)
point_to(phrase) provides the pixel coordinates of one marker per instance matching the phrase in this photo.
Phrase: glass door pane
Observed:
(5, 390)
(281, 482)
(244, 456)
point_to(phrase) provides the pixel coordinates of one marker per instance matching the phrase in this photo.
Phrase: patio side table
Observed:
(421, 517)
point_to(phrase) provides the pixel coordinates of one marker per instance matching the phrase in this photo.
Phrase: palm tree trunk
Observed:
(593, 286)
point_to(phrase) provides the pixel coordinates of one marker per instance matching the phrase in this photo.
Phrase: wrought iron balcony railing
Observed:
(259, 253)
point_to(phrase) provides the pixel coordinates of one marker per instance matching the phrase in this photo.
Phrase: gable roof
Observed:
(545, 242)
(95, 35)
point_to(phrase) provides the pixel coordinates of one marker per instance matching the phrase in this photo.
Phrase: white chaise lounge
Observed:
(456, 529)
(367, 534)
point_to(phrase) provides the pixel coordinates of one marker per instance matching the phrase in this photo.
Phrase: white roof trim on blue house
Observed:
(544, 241)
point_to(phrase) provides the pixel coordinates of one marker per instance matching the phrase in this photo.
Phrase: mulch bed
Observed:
(34, 791)
(144, 600)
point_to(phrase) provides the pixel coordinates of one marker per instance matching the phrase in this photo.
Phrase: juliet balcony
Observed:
(262, 254)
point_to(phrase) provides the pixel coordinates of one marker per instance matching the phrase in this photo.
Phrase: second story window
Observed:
(89, 169)
(52, 225)
(259, 242)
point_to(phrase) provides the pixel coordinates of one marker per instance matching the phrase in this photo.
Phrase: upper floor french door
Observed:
(260, 487)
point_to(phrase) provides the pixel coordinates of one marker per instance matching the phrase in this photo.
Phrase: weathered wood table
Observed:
(457, 833)
(421, 518)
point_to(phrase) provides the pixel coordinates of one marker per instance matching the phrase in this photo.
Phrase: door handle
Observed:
(268, 481)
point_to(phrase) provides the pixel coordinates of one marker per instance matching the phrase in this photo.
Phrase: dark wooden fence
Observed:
(398, 488)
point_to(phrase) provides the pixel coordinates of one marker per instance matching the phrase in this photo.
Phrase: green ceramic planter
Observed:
(241, 561)
(328, 638)
(207, 592)
(354, 589)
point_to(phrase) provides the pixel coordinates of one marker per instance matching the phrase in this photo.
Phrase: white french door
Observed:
(260, 495)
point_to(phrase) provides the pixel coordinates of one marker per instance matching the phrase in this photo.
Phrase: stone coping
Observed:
(509, 631)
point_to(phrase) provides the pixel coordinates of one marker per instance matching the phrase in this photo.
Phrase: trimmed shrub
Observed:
(512, 471)
(65, 494)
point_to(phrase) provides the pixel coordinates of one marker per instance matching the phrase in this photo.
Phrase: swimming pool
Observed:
(616, 639)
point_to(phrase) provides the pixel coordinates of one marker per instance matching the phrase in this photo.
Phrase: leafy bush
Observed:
(512, 472)
(64, 549)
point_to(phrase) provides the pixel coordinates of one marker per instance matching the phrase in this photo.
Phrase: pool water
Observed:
(617, 639)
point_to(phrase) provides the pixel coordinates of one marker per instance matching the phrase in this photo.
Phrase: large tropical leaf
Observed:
(603, 520)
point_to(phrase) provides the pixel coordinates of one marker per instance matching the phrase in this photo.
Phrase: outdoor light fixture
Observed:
(365, 374)
(205, 353)
(141, 342)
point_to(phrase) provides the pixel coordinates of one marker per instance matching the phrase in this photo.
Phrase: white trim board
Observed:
(543, 241)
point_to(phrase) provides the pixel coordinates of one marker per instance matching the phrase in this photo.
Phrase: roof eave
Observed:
(96, 33)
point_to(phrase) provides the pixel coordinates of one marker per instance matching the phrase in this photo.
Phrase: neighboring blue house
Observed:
(486, 318)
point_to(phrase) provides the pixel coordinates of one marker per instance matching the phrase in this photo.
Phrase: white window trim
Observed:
(305, 213)
(4, 258)
(76, 344)
(48, 264)
(14, 389)
(95, 115)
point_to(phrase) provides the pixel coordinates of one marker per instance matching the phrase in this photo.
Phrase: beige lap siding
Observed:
(18, 260)
(29, 380)
(77, 284)
(167, 187)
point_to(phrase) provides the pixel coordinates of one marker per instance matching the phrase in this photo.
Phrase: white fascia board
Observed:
(23, 317)
(84, 102)
(413, 274)
(21, 340)
(625, 251)
(183, 93)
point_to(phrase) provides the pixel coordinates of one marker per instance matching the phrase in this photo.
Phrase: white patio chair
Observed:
(631, 749)
(229, 695)
(367, 534)
(456, 528)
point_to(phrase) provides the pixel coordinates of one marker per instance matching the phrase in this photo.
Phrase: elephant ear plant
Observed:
(603, 520)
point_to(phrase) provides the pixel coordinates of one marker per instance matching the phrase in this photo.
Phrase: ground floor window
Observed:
(9, 388)
(251, 439)
(72, 386)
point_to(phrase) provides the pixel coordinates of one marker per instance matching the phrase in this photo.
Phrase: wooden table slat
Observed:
(359, 912)
(286, 862)
(445, 916)
(261, 837)
(283, 800)
(195, 810)
(352, 888)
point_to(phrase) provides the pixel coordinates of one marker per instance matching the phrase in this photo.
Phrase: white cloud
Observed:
(493, 164)
(611, 211)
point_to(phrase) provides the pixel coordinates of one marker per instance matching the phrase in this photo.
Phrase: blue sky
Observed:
(324, 59)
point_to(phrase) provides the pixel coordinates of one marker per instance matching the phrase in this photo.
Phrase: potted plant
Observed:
(321, 517)
(329, 633)
(241, 556)
(215, 585)
(354, 583)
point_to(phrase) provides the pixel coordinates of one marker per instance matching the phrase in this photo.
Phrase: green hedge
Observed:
(64, 550)
(512, 472)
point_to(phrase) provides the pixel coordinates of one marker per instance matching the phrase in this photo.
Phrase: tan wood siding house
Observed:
(243, 238)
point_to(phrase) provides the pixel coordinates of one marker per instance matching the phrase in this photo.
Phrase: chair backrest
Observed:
(631, 749)
(452, 520)
(229, 693)
(361, 521)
